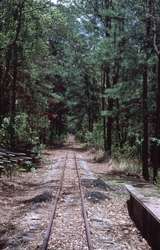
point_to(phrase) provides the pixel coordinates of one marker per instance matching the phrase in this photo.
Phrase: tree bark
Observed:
(13, 97)
(15, 72)
(145, 146)
(109, 118)
(157, 129)
(89, 104)
(118, 129)
(1, 95)
(103, 81)
(4, 81)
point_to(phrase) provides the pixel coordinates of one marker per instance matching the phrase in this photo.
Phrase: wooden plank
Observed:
(144, 209)
(143, 195)
(3, 154)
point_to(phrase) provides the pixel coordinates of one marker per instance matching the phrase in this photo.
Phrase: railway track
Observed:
(50, 229)
(87, 230)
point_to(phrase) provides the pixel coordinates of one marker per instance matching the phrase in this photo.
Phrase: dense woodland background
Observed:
(88, 67)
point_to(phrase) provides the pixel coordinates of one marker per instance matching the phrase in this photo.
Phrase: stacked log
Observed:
(10, 160)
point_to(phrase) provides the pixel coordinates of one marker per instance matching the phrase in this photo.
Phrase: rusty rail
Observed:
(87, 230)
(49, 229)
(84, 214)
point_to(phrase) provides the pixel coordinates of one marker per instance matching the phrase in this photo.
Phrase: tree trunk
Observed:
(118, 129)
(1, 96)
(90, 121)
(13, 97)
(145, 146)
(15, 71)
(157, 132)
(89, 108)
(103, 109)
(4, 81)
(109, 118)
(109, 128)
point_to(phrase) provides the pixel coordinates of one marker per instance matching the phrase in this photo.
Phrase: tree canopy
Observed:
(87, 67)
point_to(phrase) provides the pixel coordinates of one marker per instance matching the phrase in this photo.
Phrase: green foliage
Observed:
(113, 93)
(38, 149)
(80, 65)
(28, 166)
(156, 141)
(126, 152)
(22, 127)
(80, 136)
(92, 139)
(25, 135)
(106, 113)
(4, 132)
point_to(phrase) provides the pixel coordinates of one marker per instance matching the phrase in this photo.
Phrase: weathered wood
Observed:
(3, 154)
(10, 160)
(1, 170)
(144, 209)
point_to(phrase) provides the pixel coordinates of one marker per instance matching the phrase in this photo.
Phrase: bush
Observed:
(38, 148)
(4, 132)
(92, 139)
(127, 152)
(80, 136)
(24, 134)
(95, 138)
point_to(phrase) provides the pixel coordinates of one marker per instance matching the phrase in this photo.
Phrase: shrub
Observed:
(92, 139)
(24, 134)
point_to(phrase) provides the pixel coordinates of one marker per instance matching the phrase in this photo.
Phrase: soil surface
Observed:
(27, 201)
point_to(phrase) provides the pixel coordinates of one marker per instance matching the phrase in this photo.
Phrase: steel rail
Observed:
(87, 229)
(49, 229)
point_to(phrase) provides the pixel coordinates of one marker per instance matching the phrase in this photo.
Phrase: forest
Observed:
(79, 124)
(86, 67)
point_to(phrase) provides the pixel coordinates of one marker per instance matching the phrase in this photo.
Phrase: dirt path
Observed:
(27, 202)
